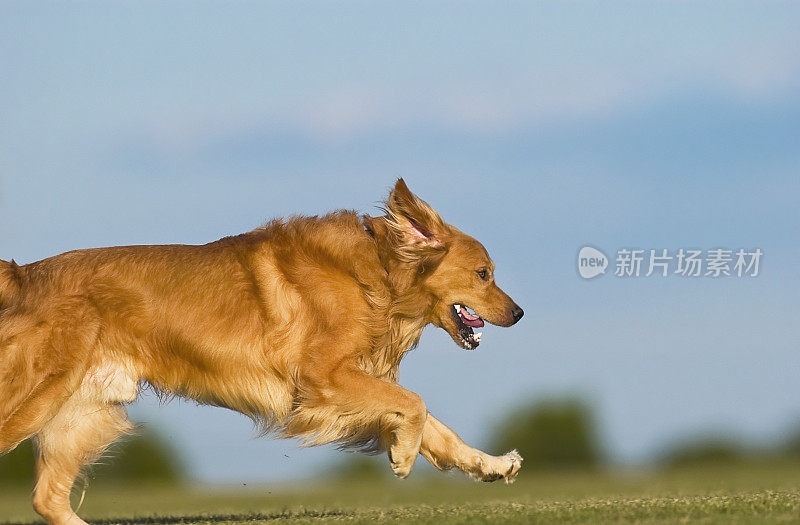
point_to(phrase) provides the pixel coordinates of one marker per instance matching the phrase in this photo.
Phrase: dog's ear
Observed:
(417, 228)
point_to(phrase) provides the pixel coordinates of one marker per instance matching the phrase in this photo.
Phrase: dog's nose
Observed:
(517, 312)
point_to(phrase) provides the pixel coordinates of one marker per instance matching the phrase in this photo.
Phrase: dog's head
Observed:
(451, 268)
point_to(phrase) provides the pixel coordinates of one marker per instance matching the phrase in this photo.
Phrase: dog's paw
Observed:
(494, 468)
(401, 464)
(515, 459)
(402, 470)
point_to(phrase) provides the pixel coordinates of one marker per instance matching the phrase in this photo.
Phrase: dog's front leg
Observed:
(336, 404)
(445, 450)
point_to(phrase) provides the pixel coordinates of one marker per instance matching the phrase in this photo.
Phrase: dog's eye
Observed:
(483, 274)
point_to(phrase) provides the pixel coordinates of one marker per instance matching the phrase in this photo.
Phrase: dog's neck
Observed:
(402, 335)
(406, 314)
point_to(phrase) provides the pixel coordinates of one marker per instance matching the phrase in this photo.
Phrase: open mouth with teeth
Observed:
(465, 322)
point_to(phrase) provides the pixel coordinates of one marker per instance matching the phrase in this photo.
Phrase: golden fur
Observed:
(300, 324)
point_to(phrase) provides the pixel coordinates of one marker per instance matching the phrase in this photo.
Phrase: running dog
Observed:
(300, 324)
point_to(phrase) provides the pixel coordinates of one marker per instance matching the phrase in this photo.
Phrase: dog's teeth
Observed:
(457, 307)
(478, 336)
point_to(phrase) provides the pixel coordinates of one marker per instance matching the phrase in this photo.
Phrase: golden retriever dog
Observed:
(300, 324)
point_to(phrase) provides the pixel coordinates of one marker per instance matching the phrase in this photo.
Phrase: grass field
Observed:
(765, 493)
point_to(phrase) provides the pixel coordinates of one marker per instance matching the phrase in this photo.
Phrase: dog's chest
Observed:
(110, 382)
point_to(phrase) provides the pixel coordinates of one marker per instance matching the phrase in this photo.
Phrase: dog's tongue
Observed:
(470, 320)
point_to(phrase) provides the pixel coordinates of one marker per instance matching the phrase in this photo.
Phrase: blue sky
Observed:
(537, 127)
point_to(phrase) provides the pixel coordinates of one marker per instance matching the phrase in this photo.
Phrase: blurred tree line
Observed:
(554, 433)
(719, 449)
(139, 458)
(562, 433)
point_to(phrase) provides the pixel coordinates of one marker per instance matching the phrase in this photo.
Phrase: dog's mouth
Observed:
(465, 322)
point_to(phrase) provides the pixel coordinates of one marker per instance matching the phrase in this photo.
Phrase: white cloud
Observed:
(529, 96)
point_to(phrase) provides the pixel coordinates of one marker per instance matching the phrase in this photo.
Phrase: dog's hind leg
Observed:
(77, 435)
(26, 418)
(445, 450)
(36, 379)
(43, 359)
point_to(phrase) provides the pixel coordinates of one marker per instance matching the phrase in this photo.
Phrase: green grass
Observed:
(763, 493)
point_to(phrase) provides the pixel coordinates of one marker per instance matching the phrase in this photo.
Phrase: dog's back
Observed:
(9, 286)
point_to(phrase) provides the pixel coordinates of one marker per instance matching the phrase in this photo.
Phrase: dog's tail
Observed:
(9, 282)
